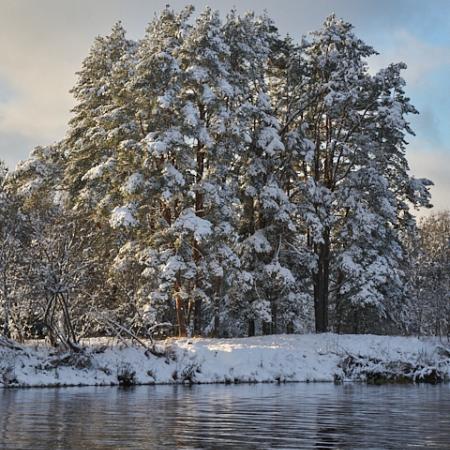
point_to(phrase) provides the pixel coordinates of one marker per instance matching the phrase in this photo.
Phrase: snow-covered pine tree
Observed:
(13, 238)
(102, 125)
(429, 307)
(193, 248)
(103, 170)
(224, 178)
(269, 298)
(207, 98)
(151, 191)
(209, 123)
(286, 74)
(378, 195)
(354, 171)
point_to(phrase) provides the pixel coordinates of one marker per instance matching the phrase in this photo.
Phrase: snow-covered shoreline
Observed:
(276, 358)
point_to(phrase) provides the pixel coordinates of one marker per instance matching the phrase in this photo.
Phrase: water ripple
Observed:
(259, 417)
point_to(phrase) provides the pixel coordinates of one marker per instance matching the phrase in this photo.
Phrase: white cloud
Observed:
(420, 57)
(42, 45)
(43, 42)
(432, 163)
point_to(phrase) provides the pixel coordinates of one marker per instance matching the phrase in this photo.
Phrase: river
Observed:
(259, 416)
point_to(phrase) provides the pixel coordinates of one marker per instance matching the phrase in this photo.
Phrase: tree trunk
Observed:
(355, 324)
(179, 308)
(321, 283)
(6, 331)
(216, 330)
(251, 327)
(199, 211)
(248, 217)
(274, 317)
(218, 284)
(272, 326)
(339, 305)
(69, 331)
(266, 328)
(197, 317)
(6, 307)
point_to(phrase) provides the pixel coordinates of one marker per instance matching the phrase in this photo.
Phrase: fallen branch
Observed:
(112, 324)
(8, 343)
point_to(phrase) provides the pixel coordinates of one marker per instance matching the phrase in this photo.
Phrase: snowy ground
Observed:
(278, 358)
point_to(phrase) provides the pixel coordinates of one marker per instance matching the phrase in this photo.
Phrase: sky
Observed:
(42, 45)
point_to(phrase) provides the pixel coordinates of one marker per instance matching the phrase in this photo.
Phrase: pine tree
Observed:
(219, 180)
(350, 129)
(194, 145)
(267, 228)
(429, 308)
(13, 237)
(102, 126)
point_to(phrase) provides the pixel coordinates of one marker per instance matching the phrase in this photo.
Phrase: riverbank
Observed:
(277, 358)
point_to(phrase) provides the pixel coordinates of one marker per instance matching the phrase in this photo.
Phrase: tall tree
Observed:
(350, 128)
(430, 276)
(102, 124)
(13, 238)
(228, 181)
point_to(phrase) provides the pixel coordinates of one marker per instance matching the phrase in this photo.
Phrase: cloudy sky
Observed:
(42, 44)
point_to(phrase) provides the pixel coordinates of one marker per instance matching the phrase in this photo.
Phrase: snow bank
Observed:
(276, 358)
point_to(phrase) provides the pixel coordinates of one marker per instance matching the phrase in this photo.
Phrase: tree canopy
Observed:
(218, 178)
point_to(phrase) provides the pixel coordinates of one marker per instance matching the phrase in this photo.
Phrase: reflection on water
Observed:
(263, 416)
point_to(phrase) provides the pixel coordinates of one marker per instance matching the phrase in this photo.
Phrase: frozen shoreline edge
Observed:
(267, 359)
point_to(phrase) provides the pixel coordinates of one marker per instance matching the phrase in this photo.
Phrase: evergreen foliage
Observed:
(216, 179)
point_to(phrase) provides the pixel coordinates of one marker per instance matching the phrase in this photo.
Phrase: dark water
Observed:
(300, 416)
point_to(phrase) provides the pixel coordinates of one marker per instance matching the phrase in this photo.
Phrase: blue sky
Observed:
(42, 44)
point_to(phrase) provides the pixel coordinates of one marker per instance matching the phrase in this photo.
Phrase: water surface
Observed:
(262, 416)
